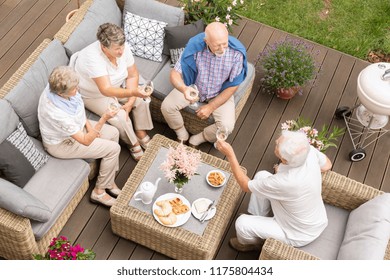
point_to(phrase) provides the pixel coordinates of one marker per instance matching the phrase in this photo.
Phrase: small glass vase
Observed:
(178, 188)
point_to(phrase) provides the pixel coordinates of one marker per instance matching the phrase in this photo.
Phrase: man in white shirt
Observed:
(293, 194)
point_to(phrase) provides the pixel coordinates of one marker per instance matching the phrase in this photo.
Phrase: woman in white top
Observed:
(108, 73)
(66, 132)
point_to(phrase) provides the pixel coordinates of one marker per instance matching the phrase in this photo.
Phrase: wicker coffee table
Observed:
(141, 227)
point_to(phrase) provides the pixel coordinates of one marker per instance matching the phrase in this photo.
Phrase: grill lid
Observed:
(373, 88)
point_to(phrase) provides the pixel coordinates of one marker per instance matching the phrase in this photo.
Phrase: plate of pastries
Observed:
(171, 210)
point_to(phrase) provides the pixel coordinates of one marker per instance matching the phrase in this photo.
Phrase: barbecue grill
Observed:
(367, 120)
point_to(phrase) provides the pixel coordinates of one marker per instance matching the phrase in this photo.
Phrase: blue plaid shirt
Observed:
(213, 71)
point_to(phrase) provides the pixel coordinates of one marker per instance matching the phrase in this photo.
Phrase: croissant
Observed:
(165, 210)
(178, 207)
(181, 209)
(168, 220)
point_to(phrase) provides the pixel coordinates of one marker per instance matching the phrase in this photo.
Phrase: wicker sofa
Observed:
(23, 231)
(340, 194)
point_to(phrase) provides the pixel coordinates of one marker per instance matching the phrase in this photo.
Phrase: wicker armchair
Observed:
(337, 190)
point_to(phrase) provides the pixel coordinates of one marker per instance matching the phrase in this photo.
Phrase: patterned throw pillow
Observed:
(19, 157)
(175, 55)
(145, 36)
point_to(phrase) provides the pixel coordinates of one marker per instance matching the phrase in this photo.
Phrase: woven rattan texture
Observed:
(176, 243)
(194, 124)
(337, 190)
(17, 240)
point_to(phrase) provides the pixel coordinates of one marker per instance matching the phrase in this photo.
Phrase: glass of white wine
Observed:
(148, 88)
(222, 134)
(194, 93)
(114, 106)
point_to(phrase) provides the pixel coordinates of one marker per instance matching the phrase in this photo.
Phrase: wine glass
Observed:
(222, 134)
(147, 88)
(194, 94)
(114, 106)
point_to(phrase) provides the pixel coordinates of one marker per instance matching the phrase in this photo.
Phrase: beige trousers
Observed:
(106, 147)
(140, 114)
(223, 116)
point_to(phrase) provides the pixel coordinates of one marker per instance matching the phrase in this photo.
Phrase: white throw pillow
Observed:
(145, 36)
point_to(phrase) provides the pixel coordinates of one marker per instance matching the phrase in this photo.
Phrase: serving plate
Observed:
(211, 183)
(182, 218)
(198, 215)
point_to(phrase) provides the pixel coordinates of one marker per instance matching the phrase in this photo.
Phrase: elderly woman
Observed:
(66, 132)
(293, 194)
(108, 73)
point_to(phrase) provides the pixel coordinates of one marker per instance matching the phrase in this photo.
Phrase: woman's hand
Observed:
(127, 107)
(109, 114)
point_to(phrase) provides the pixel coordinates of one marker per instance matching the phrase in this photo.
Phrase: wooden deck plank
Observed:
(24, 24)
(12, 60)
(9, 18)
(122, 250)
(378, 164)
(7, 6)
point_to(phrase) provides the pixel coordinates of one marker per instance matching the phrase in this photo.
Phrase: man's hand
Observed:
(224, 148)
(204, 111)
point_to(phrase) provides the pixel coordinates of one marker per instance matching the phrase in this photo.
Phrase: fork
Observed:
(206, 213)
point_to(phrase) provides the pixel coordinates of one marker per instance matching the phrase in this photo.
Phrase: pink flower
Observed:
(180, 164)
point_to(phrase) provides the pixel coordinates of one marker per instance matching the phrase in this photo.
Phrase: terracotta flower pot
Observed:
(287, 93)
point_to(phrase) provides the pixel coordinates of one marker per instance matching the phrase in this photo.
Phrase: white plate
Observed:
(182, 218)
(199, 215)
(223, 182)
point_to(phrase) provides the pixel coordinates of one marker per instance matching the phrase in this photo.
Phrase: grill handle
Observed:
(386, 75)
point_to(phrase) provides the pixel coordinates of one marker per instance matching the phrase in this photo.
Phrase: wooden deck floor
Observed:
(25, 23)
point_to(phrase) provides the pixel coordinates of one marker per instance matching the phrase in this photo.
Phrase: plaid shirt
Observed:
(213, 71)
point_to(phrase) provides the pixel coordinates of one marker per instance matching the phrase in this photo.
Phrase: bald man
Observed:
(216, 63)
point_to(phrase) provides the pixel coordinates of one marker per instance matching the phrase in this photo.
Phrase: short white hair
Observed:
(294, 147)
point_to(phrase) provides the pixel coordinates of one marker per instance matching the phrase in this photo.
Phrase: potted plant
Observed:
(224, 11)
(61, 249)
(288, 65)
(321, 140)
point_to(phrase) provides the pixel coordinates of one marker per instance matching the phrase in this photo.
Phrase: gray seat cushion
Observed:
(22, 203)
(368, 231)
(24, 97)
(148, 69)
(101, 11)
(56, 191)
(8, 119)
(327, 245)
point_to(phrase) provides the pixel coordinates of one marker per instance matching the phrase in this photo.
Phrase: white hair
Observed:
(294, 147)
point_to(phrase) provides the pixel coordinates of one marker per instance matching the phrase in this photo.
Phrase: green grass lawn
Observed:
(355, 27)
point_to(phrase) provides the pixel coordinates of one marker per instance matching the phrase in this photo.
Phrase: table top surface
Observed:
(140, 216)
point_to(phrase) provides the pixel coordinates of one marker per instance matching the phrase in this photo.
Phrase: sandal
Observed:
(144, 141)
(114, 191)
(99, 198)
(136, 152)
